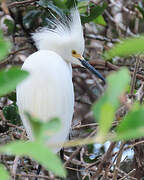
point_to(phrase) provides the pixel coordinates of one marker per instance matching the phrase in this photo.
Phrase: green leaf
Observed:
(38, 152)
(51, 127)
(132, 126)
(4, 175)
(71, 3)
(5, 46)
(11, 114)
(82, 6)
(100, 20)
(36, 125)
(10, 24)
(127, 47)
(10, 78)
(107, 115)
(95, 11)
(12, 96)
(43, 130)
(117, 84)
(60, 3)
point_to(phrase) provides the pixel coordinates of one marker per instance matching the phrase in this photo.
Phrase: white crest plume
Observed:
(67, 29)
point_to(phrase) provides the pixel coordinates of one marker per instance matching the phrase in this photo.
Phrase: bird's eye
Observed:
(74, 52)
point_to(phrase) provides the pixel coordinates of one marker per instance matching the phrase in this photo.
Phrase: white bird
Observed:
(48, 91)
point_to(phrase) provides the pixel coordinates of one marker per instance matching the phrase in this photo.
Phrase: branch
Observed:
(21, 3)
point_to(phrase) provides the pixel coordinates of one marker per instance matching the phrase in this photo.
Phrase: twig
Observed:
(135, 144)
(118, 161)
(33, 176)
(78, 149)
(104, 161)
(21, 3)
(123, 8)
(15, 52)
(120, 25)
(133, 81)
(127, 175)
(85, 125)
(15, 126)
(101, 38)
(4, 6)
(15, 164)
(14, 168)
(72, 156)
(90, 125)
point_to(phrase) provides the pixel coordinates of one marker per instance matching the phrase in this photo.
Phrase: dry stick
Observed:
(15, 52)
(15, 126)
(14, 168)
(135, 144)
(120, 25)
(128, 175)
(125, 174)
(117, 165)
(72, 156)
(119, 155)
(33, 176)
(2, 116)
(15, 164)
(133, 81)
(82, 164)
(101, 38)
(21, 3)
(123, 8)
(85, 125)
(105, 159)
(78, 150)
(4, 6)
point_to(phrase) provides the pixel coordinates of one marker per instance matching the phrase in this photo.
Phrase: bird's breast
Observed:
(48, 91)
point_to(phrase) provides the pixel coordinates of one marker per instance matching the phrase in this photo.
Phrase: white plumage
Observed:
(48, 91)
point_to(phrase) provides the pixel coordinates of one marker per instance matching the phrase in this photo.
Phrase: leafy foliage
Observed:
(127, 47)
(37, 151)
(100, 20)
(113, 91)
(43, 130)
(40, 15)
(10, 78)
(11, 114)
(10, 24)
(94, 13)
(104, 110)
(3, 173)
(132, 126)
(5, 46)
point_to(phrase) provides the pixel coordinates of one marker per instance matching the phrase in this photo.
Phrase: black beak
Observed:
(92, 69)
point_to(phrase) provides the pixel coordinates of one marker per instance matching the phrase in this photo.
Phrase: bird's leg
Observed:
(38, 170)
(62, 154)
(40, 167)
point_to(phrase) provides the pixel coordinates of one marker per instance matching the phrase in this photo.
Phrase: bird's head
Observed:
(66, 39)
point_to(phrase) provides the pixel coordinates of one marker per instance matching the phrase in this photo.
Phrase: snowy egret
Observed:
(48, 91)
